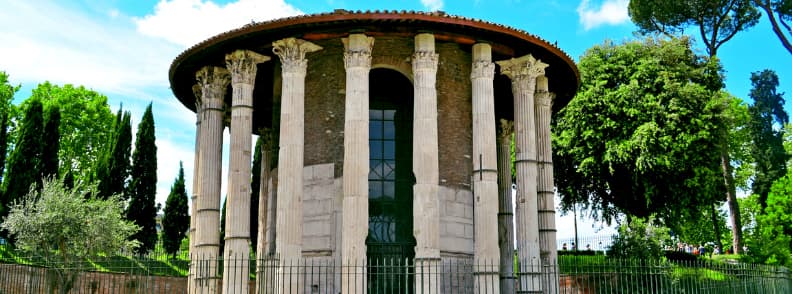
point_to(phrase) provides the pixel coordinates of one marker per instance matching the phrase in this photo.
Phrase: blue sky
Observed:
(123, 48)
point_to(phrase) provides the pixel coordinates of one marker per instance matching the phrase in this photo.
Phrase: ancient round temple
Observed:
(386, 138)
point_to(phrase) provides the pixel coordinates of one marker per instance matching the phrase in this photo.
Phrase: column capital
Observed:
(543, 96)
(213, 81)
(526, 67)
(197, 91)
(291, 52)
(505, 130)
(482, 70)
(242, 65)
(267, 136)
(357, 51)
(424, 60)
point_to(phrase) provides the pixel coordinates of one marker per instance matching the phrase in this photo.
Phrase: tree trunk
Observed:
(714, 212)
(731, 199)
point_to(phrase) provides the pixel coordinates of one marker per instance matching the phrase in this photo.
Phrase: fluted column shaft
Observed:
(523, 72)
(426, 220)
(547, 227)
(357, 62)
(242, 66)
(213, 81)
(505, 211)
(196, 184)
(485, 167)
(264, 186)
(262, 281)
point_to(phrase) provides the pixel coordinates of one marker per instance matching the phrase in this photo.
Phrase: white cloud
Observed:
(432, 5)
(187, 22)
(67, 46)
(610, 12)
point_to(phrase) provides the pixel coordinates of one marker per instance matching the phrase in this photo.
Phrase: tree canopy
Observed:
(779, 12)
(86, 124)
(767, 115)
(175, 220)
(24, 164)
(112, 170)
(51, 143)
(67, 225)
(142, 208)
(7, 92)
(642, 134)
(718, 21)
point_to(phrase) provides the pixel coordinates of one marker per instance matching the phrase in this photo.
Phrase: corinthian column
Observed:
(242, 65)
(505, 215)
(213, 81)
(523, 72)
(264, 189)
(426, 220)
(357, 62)
(288, 244)
(196, 184)
(547, 228)
(485, 167)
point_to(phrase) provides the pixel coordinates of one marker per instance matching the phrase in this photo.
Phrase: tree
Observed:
(24, 164)
(7, 92)
(86, 125)
(222, 224)
(255, 186)
(768, 141)
(143, 187)
(718, 21)
(51, 143)
(113, 169)
(774, 226)
(65, 227)
(640, 137)
(783, 11)
(175, 220)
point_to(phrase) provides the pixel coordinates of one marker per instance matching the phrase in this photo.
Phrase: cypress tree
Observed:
(222, 225)
(24, 164)
(7, 92)
(175, 220)
(3, 145)
(143, 187)
(114, 168)
(768, 141)
(51, 141)
(255, 186)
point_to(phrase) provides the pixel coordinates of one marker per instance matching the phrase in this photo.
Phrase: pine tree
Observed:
(51, 141)
(175, 220)
(143, 187)
(255, 186)
(113, 170)
(24, 164)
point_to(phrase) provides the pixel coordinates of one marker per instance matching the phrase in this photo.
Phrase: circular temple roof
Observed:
(506, 42)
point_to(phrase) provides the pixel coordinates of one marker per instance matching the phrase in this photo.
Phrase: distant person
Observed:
(564, 246)
(573, 246)
(588, 247)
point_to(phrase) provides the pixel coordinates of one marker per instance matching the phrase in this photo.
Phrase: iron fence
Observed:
(572, 274)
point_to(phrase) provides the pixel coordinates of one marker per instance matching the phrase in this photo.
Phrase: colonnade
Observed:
(534, 209)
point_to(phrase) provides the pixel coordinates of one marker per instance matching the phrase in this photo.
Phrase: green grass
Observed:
(156, 263)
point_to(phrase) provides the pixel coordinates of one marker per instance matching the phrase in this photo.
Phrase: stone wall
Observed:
(321, 197)
(456, 221)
